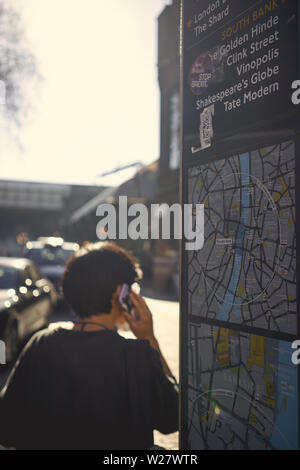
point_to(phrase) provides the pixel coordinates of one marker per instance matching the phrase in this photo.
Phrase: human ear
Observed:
(115, 296)
(117, 308)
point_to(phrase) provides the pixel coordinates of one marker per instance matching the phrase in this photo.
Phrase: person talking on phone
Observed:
(88, 387)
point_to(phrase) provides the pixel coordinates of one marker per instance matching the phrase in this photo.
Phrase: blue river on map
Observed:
(229, 299)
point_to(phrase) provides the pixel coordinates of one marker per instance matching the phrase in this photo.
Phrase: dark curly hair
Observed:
(93, 274)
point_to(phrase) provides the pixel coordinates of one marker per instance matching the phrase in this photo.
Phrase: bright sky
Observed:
(98, 103)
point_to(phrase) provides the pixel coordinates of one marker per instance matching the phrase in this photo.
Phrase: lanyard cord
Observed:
(83, 323)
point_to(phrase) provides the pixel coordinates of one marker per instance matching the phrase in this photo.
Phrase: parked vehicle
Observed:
(26, 302)
(51, 254)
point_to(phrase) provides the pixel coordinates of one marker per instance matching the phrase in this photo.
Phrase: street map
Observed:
(242, 391)
(245, 273)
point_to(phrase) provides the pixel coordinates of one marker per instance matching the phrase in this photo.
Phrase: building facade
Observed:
(165, 253)
(170, 116)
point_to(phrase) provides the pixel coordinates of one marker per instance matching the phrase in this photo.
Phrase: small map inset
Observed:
(242, 391)
(246, 271)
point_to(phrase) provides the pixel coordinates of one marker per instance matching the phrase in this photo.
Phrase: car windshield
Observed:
(8, 277)
(50, 255)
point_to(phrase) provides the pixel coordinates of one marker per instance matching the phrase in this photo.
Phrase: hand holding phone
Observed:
(142, 327)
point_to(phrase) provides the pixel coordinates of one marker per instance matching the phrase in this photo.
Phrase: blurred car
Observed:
(26, 302)
(51, 254)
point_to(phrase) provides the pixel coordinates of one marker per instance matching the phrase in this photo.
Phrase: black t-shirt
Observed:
(86, 390)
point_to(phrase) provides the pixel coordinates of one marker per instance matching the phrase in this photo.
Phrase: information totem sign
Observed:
(240, 328)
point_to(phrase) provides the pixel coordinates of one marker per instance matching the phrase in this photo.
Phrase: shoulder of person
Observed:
(142, 348)
(45, 336)
(139, 344)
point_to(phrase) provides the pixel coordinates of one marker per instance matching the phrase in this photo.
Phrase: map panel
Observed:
(246, 271)
(242, 391)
